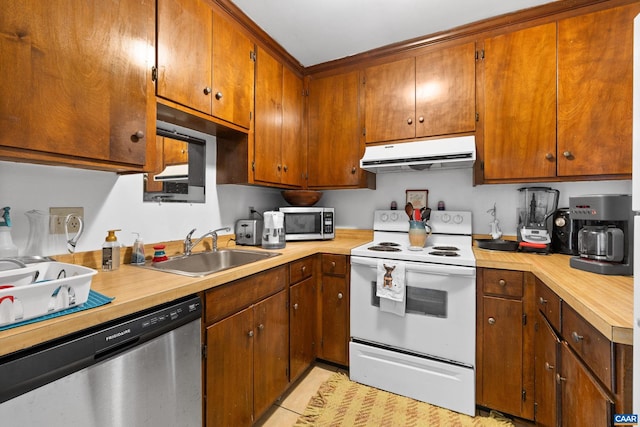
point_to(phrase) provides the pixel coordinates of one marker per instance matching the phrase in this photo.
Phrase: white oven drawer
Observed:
(442, 384)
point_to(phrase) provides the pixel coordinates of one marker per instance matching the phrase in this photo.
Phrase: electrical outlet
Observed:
(251, 209)
(59, 216)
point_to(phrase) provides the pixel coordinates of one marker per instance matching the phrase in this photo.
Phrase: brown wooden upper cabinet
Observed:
(431, 94)
(279, 148)
(335, 147)
(204, 61)
(589, 58)
(75, 80)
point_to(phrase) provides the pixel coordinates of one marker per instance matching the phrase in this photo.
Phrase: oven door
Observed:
(440, 314)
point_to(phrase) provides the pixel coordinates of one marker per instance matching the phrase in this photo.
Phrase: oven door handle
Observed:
(422, 268)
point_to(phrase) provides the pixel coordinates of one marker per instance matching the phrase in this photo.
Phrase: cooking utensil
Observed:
(408, 208)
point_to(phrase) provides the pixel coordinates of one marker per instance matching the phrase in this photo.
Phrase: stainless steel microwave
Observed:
(308, 223)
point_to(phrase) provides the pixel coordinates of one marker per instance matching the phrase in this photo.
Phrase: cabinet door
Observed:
(271, 351)
(268, 120)
(335, 319)
(595, 77)
(546, 364)
(390, 101)
(233, 73)
(293, 144)
(502, 354)
(70, 82)
(302, 316)
(520, 104)
(175, 152)
(334, 131)
(583, 401)
(445, 91)
(185, 52)
(229, 371)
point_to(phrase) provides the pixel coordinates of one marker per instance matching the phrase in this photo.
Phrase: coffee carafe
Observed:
(535, 222)
(273, 235)
(605, 233)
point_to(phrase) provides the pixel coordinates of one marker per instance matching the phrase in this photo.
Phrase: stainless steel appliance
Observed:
(537, 205)
(139, 371)
(249, 232)
(605, 236)
(309, 223)
(424, 346)
(564, 239)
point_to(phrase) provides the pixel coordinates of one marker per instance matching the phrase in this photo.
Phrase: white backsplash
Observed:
(112, 201)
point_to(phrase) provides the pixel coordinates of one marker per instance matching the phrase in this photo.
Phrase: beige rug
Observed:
(341, 402)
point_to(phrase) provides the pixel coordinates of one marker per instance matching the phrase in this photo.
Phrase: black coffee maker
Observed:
(604, 223)
(564, 238)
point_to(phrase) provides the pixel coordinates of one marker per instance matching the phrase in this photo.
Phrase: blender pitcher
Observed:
(535, 213)
(41, 242)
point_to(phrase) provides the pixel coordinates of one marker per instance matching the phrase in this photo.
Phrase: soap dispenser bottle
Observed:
(7, 248)
(137, 252)
(111, 252)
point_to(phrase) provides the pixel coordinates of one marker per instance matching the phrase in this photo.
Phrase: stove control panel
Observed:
(441, 222)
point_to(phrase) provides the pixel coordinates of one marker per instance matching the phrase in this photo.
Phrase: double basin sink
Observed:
(205, 263)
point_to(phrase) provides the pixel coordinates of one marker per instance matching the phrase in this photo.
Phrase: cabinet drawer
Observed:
(503, 282)
(593, 347)
(300, 270)
(548, 303)
(225, 300)
(334, 264)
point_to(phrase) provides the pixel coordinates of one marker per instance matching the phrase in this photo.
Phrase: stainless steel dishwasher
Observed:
(140, 370)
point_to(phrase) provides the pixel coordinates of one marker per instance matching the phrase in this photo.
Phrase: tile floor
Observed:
(285, 412)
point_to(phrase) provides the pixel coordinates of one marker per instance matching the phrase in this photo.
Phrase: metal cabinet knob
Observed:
(353, 170)
(250, 333)
(409, 121)
(340, 295)
(560, 378)
(304, 268)
(207, 90)
(491, 321)
(261, 326)
(576, 337)
(137, 136)
(542, 300)
(279, 167)
(295, 306)
(421, 119)
(567, 154)
(218, 96)
(549, 156)
(548, 367)
(286, 168)
(502, 282)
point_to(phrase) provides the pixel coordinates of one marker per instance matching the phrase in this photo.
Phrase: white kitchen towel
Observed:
(390, 287)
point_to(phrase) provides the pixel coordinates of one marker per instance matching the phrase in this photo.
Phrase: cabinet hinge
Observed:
(252, 55)
(364, 131)
(477, 116)
(253, 166)
(524, 395)
(524, 319)
(364, 80)
(154, 73)
(204, 351)
(482, 165)
(250, 115)
(479, 55)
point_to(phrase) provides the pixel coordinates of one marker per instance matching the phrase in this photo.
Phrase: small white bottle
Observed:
(111, 252)
(137, 252)
(7, 247)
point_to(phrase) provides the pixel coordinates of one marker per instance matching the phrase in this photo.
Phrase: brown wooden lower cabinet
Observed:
(546, 366)
(302, 316)
(334, 309)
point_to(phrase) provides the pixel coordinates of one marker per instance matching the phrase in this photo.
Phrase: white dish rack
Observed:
(42, 288)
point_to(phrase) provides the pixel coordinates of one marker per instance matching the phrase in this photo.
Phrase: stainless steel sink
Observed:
(205, 263)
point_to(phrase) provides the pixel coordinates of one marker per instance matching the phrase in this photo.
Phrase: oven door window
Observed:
(425, 302)
(303, 223)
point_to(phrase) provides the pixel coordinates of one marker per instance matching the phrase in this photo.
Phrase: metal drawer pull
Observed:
(502, 282)
(576, 337)
(542, 300)
(218, 96)
(295, 306)
(260, 326)
(559, 378)
(250, 333)
(491, 321)
(409, 121)
(304, 268)
(340, 295)
(548, 367)
(207, 90)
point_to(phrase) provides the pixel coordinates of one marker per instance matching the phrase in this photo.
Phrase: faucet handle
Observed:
(189, 234)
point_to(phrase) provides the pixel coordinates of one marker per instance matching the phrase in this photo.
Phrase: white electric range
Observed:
(424, 347)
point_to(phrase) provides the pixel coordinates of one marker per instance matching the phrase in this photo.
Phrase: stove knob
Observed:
(446, 217)
(394, 217)
(384, 217)
(458, 219)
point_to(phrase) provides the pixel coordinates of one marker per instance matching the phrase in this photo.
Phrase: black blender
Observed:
(535, 222)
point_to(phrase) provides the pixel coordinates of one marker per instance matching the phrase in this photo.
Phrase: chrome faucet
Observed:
(189, 244)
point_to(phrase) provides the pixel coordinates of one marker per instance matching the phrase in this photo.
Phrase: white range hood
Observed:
(457, 152)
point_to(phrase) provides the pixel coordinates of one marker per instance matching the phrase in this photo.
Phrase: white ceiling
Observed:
(322, 30)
